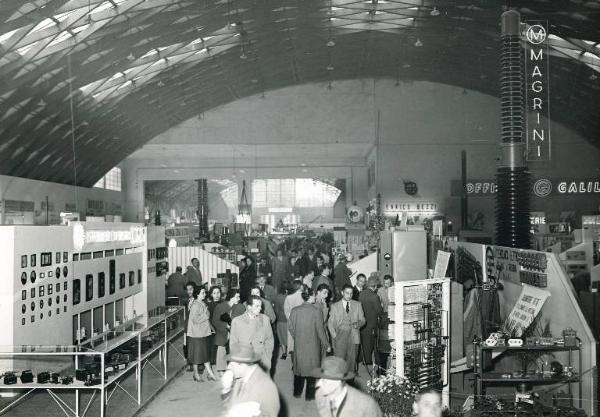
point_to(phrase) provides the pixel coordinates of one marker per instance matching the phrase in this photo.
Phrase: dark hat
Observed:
(373, 280)
(242, 354)
(333, 367)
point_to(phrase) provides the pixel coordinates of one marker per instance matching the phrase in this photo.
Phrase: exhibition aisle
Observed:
(188, 397)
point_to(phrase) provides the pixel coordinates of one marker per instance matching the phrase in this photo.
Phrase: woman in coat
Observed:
(213, 300)
(221, 321)
(198, 332)
(306, 324)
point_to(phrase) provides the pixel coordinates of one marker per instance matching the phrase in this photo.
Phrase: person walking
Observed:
(346, 317)
(267, 306)
(306, 324)
(247, 277)
(292, 300)
(280, 269)
(335, 398)
(198, 332)
(281, 323)
(253, 329)
(341, 276)
(245, 382)
(323, 278)
(221, 321)
(371, 305)
(269, 292)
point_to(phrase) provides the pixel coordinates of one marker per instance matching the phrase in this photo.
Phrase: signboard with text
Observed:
(541, 187)
(537, 93)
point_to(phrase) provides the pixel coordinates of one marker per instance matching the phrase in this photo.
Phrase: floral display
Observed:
(394, 394)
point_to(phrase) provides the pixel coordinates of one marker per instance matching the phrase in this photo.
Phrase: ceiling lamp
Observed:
(330, 67)
(243, 55)
(131, 57)
(330, 43)
(41, 103)
(593, 77)
(160, 83)
(435, 11)
(418, 43)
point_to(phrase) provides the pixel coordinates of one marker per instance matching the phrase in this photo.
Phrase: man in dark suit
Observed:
(341, 276)
(361, 282)
(346, 317)
(371, 305)
(193, 273)
(335, 398)
(268, 290)
(244, 381)
(323, 278)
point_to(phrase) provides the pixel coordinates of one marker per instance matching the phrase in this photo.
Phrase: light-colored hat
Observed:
(333, 367)
(242, 354)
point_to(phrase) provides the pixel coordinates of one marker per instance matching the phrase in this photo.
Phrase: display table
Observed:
(112, 355)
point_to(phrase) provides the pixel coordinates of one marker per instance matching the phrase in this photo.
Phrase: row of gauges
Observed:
(32, 319)
(45, 259)
(41, 290)
(33, 276)
(24, 306)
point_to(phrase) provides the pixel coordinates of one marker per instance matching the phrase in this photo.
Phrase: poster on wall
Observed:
(441, 264)
(526, 309)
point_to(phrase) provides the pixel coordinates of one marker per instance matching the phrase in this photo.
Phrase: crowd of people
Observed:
(295, 304)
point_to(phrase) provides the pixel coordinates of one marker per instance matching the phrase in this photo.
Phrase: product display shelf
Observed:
(496, 377)
(482, 378)
(171, 323)
(117, 329)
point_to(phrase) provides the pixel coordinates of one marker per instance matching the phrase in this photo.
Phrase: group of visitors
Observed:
(296, 303)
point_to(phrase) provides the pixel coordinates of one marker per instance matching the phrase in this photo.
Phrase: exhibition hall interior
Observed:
(299, 208)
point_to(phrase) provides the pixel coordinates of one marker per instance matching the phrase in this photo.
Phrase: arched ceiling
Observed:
(91, 81)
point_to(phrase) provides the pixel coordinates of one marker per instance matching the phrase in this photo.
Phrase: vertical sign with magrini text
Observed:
(537, 93)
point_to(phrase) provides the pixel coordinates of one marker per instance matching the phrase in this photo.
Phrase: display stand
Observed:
(421, 330)
(153, 337)
(483, 378)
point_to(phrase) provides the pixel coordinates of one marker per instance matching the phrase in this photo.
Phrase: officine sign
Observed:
(541, 187)
(537, 93)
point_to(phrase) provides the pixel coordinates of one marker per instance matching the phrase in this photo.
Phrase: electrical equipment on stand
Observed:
(421, 333)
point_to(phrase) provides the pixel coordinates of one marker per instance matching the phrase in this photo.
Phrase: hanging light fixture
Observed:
(435, 11)
(131, 57)
(418, 43)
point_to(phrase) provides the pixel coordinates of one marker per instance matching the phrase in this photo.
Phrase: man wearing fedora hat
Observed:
(372, 308)
(334, 398)
(245, 381)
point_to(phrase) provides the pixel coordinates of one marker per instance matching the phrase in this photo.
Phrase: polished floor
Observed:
(193, 399)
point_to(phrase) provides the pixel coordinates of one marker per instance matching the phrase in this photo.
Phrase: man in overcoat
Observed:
(253, 329)
(306, 325)
(371, 305)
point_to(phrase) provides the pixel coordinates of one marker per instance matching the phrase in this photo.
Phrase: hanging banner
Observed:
(537, 91)
(526, 309)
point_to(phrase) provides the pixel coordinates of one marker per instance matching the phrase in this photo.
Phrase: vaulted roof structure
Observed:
(84, 83)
